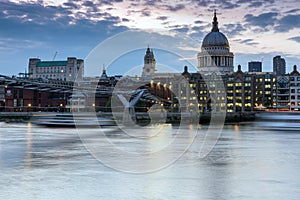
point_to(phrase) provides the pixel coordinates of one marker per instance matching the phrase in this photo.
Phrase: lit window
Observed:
(267, 86)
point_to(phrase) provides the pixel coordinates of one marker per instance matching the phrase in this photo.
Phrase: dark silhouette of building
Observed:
(279, 65)
(254, 66)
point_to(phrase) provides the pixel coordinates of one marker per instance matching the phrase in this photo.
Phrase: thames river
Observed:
(53, 163)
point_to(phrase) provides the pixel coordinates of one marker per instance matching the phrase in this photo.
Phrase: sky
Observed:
(257, 30)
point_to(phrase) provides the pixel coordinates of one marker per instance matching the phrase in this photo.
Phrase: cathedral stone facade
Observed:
(215, 55)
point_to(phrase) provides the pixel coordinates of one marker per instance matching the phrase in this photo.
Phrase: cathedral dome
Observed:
(215, 37)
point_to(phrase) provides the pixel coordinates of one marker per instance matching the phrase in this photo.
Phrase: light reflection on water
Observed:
(246, 163)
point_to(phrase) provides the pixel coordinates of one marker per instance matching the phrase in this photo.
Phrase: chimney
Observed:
(239, 68)
(185, 69)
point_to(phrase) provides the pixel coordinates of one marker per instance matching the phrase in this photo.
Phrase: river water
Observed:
(54, 163)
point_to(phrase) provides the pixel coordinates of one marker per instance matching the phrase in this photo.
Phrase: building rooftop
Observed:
(51, 63)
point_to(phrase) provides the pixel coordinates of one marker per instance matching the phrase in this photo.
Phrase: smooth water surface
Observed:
(52, 163)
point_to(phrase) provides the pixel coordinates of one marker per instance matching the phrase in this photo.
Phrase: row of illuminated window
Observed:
(238, 84)
(51, 76)
(191, 98)
(236, 91)
(239, 104)
(52, 70)
(266, 80)
(238, 98)
(294, 103)
(261, 92)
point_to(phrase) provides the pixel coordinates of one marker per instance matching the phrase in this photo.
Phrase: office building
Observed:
(279, 67)
(254, 66)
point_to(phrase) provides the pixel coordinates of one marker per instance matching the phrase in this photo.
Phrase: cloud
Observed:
(263, 21)
(179, 28)
(175, 8)
(232, 30)
(125, 20)
(31, 29)
(152, 2)
(201, 3)
(227, 5)
(297, 39)
(256, 4)
(248, 42)
(292, 11)
(288, 22)
(200, 28)
(163, 18)
(71, 5)
(145, 13)
(199, 22)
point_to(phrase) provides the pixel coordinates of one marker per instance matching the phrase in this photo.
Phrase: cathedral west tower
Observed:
(149, 65)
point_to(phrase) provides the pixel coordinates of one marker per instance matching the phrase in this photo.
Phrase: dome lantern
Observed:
(215, 27)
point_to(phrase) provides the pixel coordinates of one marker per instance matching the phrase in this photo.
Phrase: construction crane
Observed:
(54, 56)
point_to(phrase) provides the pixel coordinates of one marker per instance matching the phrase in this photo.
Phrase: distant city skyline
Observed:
(256, 29)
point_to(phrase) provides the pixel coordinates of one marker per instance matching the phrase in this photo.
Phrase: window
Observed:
(248, 78)
(292, 97)
(292, 90)
(298, 90)
(292, 78)
(298, 78)
(267, 86)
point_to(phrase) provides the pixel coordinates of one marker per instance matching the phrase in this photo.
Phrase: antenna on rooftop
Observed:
(54, 56)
